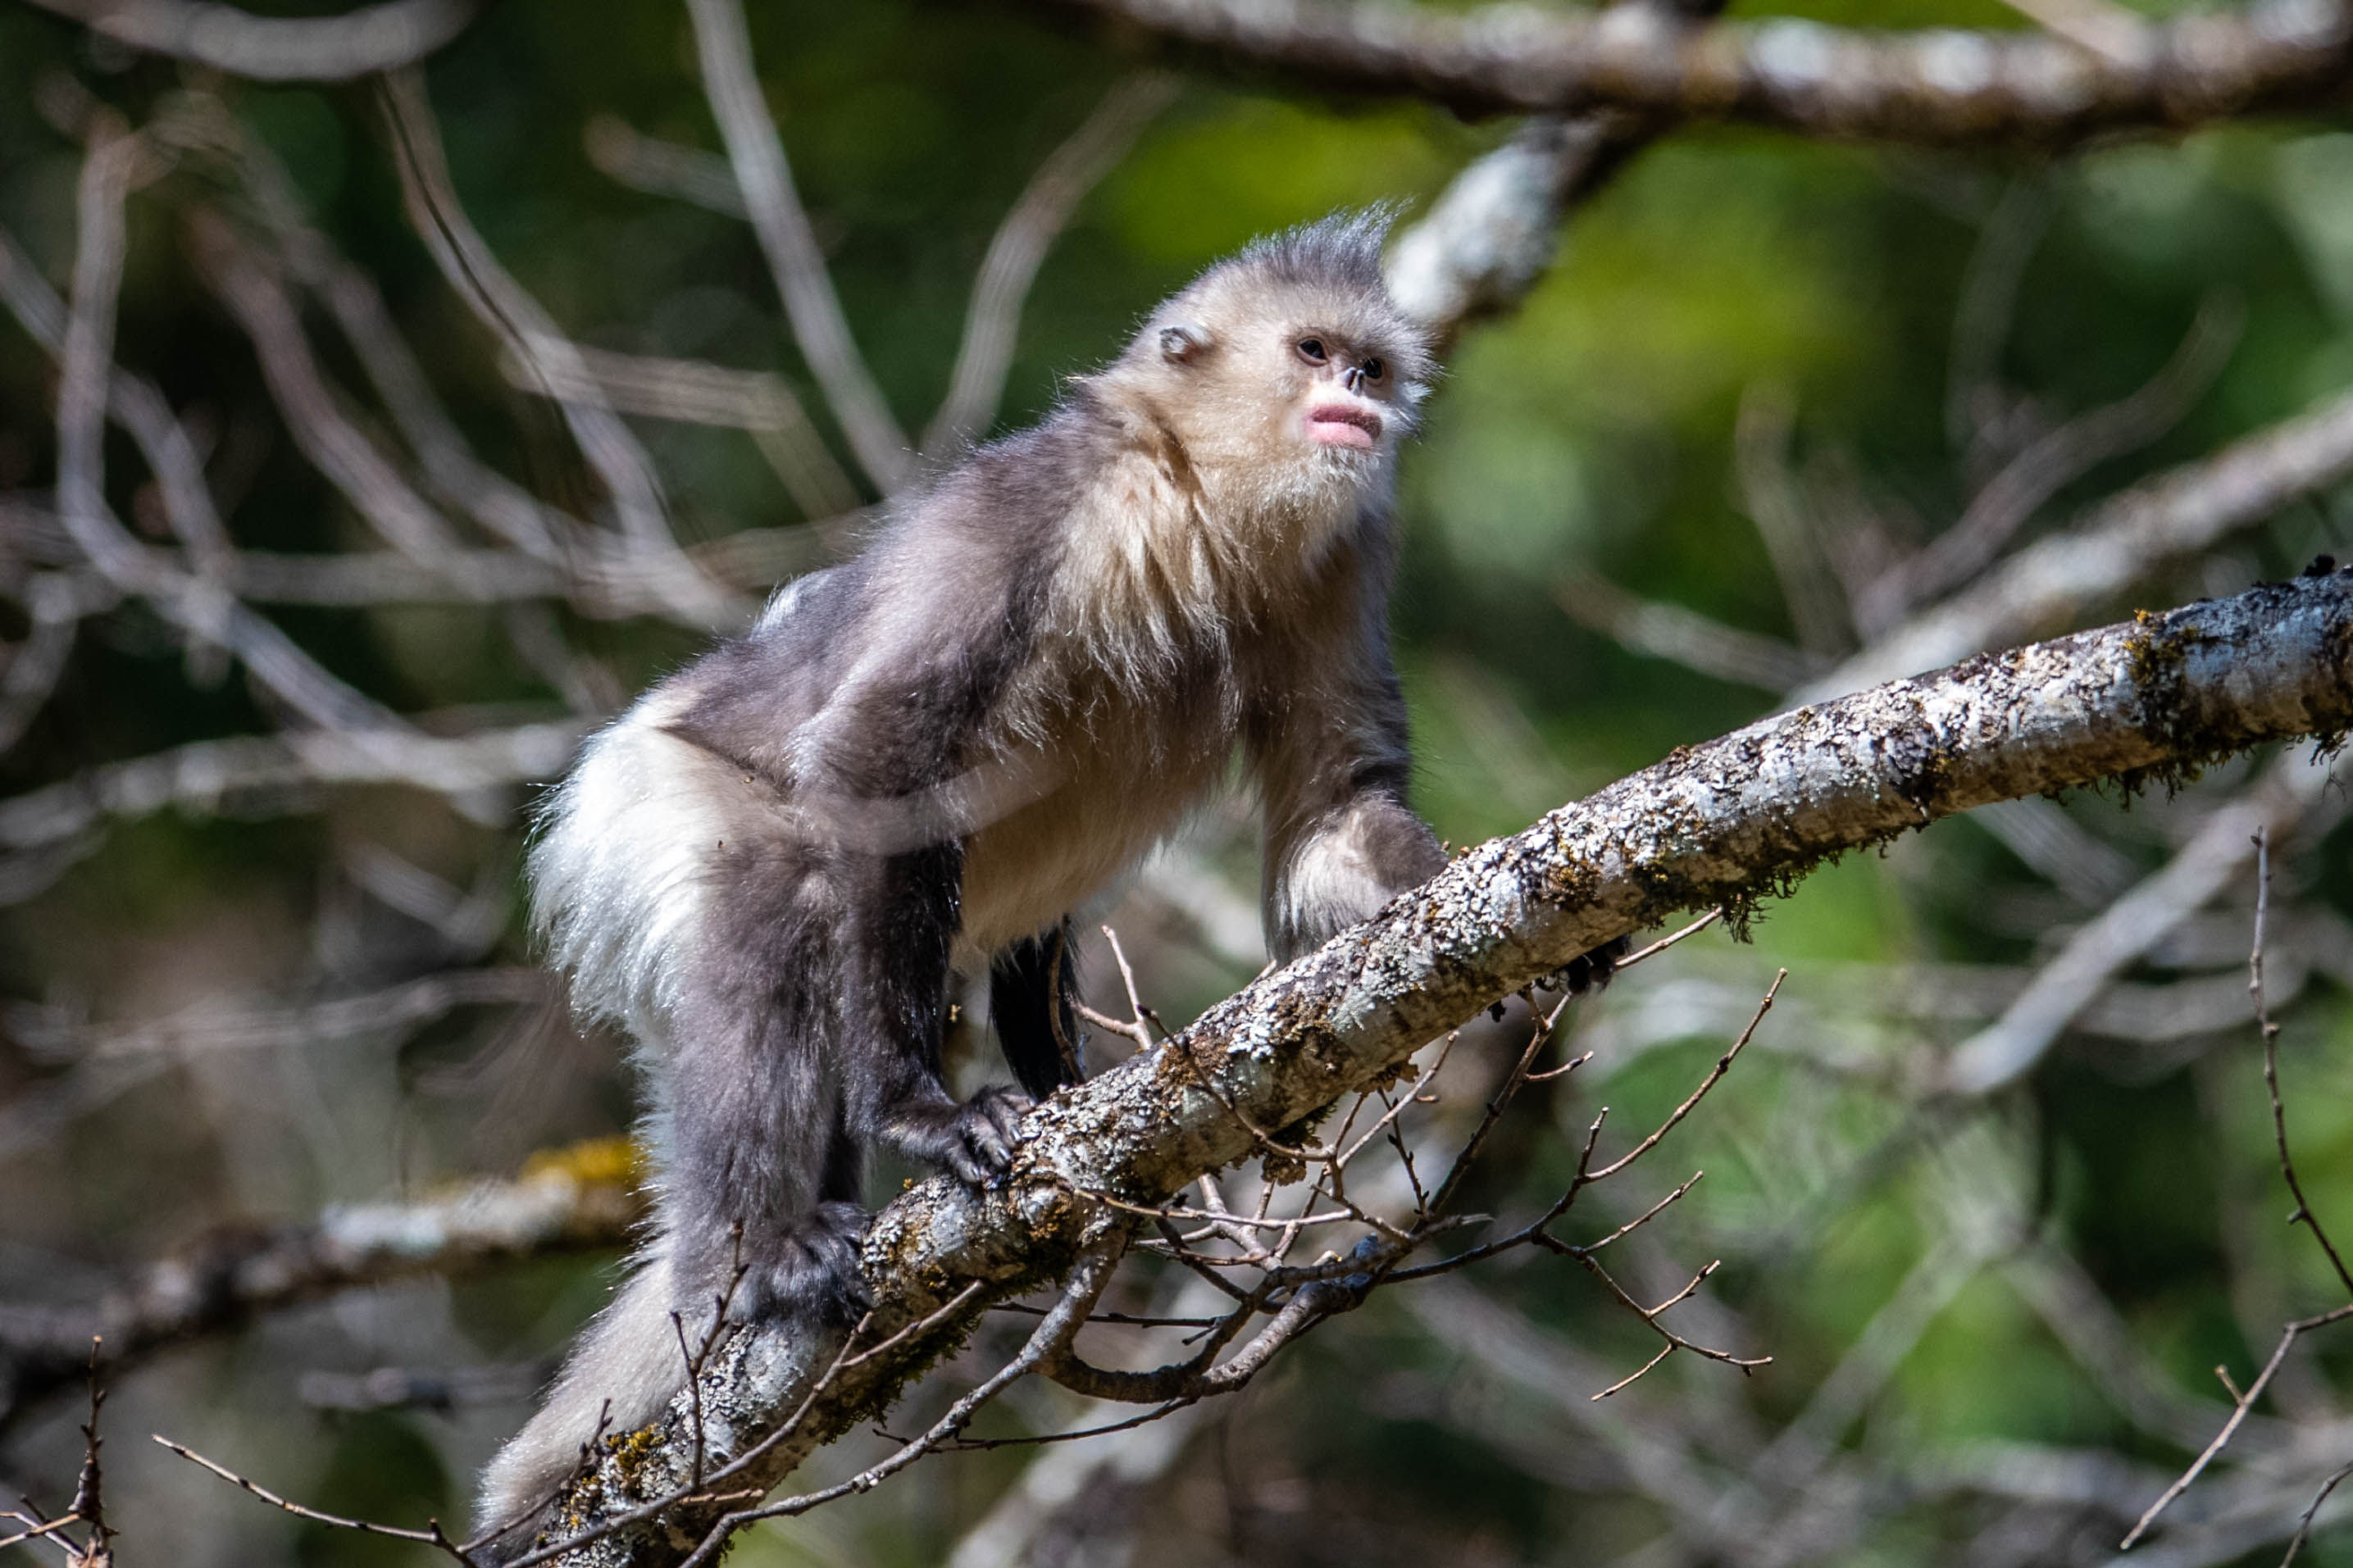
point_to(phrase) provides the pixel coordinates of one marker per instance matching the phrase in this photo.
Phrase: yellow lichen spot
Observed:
(630, 1450)
(615, 1161)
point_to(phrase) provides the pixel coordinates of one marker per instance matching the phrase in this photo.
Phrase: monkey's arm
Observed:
(1334, 768)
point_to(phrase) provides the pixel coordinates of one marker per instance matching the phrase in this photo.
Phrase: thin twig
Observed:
(360, 42)
(2304, 1525)
(2270, 1032)
(430, 1536)
(2242, 1403)
(1723, 1065)
(1664, 943)
(1053, 1334)
(2238, 1416)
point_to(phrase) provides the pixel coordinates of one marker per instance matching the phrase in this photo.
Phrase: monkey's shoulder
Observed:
(1027, 482)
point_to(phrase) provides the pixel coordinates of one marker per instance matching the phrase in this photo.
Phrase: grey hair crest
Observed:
(1344, 249)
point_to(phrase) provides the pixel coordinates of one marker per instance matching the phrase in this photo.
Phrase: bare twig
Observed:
(1715, 1074)
(85, 373)
(1977, 407)
(2304, 1525)
(132, 402)
(2009, 1048)
(1669, 631)
(2243, 1402)
(336, 447)
(1651, 1315)
(2302, 1214)
(2118, 542)
(2241, 1406)
(57, 605)
(1670, 940)
(202, 122)
(204, 1029)
(1792, 530)
(700, 394)
(661, 168)
(1053, 1335)
(431, 1535)
(207, 775)
(528, 332)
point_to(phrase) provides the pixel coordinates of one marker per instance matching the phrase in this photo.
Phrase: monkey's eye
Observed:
(1374, 369)
(1311, 351)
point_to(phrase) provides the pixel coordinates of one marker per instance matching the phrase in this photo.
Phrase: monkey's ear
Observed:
(1184, 344)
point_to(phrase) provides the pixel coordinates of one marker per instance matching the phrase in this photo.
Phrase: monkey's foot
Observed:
(973, 1141)
(808, 1273)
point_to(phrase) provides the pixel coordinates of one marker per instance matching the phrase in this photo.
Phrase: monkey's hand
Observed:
(973, 1141)
(1587, 970)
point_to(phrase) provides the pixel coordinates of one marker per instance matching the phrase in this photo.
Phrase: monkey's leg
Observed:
(904, 921)
(754, 1175)
(1031, 987)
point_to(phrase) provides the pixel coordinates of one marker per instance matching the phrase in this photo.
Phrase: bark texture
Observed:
(1728, 823)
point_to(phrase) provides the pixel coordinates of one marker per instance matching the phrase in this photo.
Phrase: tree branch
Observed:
(1942, 86)
(724, 45)
(582, 1197)
(277, 49)
(1726, 823)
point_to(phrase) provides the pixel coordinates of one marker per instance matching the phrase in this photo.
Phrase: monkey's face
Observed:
(1344, 400)
(1317, 384)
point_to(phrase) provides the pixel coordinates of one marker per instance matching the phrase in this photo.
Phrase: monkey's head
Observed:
(1289, 366)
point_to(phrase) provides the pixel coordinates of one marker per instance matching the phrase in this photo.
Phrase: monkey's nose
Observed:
(1353, 378)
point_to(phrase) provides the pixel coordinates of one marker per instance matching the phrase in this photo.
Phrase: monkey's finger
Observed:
(1005, 1116)
(990, 1145)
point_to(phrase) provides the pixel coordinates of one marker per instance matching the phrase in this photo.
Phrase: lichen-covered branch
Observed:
(1937, 86)
(1726, 823)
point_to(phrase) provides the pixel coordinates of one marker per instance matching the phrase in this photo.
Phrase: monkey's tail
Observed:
(627, 1360)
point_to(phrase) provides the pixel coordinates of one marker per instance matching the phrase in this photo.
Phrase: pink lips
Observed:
(1343, 424)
